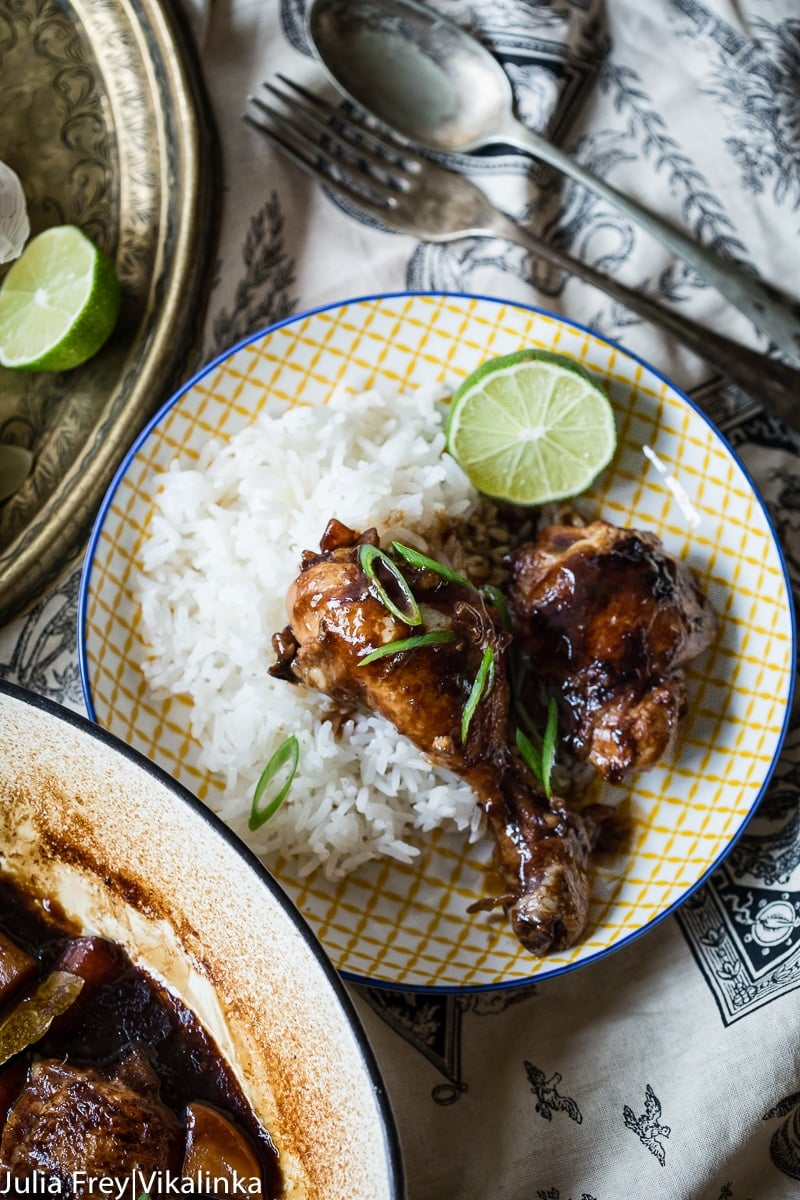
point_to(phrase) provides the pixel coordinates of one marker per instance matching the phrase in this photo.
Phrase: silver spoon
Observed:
(428, 79)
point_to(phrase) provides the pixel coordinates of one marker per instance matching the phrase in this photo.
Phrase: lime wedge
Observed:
(58, 303)
(531, 427)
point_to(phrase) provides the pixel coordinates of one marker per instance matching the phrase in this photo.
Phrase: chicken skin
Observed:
(609, 621)
(338, 619)
(542, 852)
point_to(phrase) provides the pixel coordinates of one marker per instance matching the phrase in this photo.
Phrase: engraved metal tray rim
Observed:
(158, 217)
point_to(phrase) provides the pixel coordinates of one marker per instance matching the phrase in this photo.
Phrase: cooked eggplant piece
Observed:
(97, 962)
(216, 1149)
(16, 968)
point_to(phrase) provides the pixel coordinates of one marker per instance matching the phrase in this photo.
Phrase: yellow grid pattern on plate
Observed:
(408, 924)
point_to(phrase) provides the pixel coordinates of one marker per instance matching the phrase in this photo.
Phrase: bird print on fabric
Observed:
(648, 1127)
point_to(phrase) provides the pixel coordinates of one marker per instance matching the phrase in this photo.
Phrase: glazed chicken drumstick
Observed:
(338, 620)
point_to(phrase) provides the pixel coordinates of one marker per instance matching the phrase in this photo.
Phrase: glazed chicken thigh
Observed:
(337, 620)
(609, 621)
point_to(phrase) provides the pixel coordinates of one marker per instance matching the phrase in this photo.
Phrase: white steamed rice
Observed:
(223, 545)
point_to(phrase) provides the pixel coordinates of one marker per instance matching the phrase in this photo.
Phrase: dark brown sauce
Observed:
(132, 1012)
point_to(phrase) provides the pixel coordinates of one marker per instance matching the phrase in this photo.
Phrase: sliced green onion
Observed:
(490, 680)
(483, 683)
(435, 638)
(549, 745)
(430, 564)
(366, 557)
(530, 755)
(287, 752)
(540, 762)
(498, 600)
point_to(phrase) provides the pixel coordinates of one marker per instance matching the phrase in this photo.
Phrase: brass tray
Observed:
(104, 118)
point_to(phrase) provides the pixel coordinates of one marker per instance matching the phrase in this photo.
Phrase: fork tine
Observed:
(387, 141)
(357, 142)
(307, 153)
(377, 187)
(314, 169)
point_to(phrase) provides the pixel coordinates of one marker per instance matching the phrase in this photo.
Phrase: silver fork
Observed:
(383, 178)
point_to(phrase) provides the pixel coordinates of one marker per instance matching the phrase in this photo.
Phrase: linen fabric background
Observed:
(669, 1069)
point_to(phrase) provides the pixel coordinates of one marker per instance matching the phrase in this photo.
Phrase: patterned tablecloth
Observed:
(670, 1069)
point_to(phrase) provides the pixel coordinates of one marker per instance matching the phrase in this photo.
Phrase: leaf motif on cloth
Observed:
(293, 25)
(43, 658)
(264, 292)
(757, 85)
(548, 1098)
(648, 1127)
(701, 210)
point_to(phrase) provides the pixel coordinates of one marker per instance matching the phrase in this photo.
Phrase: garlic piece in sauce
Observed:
(14, 224)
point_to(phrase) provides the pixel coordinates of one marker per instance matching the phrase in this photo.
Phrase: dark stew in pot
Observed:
(109, 1085)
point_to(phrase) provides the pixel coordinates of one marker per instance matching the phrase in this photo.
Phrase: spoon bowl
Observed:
(415, 70)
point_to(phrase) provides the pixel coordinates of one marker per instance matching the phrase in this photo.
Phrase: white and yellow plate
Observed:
(408, 926)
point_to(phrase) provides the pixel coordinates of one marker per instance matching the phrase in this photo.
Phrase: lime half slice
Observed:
(58, 303)
(531, 427)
